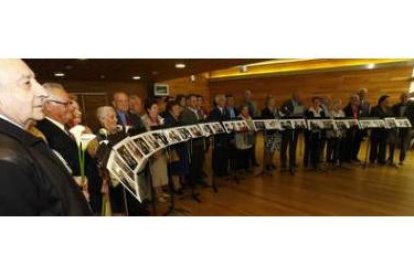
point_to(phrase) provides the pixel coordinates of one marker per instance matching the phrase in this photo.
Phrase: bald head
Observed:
(21, 96)
(59, 104)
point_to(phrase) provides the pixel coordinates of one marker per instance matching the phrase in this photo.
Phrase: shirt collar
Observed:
(10, 121)
(12, 129)
(56, 123)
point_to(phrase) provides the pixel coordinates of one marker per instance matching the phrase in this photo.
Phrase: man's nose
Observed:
(40, 91)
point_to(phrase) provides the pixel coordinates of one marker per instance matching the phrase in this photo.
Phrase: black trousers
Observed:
(196, 162)
(378, 146)
(220, 160)
(289, 140)
(315, 148)
(333, 149)
(402, 140)
(352, 145)
(244, 159)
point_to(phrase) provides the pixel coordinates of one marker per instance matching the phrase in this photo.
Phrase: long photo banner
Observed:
(130, 156)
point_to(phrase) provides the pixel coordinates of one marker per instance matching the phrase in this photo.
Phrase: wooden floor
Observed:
(374, 191)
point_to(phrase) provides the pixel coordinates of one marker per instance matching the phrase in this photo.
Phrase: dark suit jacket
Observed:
(188, 117)
(33, 179)
(409, 111)
(133, 120)
(348, 112)
(216, 115)
(66, 146)
(288, 108)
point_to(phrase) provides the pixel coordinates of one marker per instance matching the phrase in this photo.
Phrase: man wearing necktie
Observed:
(33, 180)
(124, 117)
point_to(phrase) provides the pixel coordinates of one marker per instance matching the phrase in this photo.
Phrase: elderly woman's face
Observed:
(110, 121)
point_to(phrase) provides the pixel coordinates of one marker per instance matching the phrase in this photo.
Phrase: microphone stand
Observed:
(213, 175)
(173, 209)
(264, 171)
(194, 195)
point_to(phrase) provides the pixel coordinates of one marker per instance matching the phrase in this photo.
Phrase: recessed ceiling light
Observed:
(192, 78)
(180, 65)
(59, 74)
(136, 77)
(243, 69)
(102, 76)
(370, 66)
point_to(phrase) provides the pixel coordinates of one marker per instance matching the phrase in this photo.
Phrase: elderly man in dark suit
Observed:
(402, 135)
(291, 108)
(221, 142)
(58, 112)
(33, 180)
(126, 113)
(190, 116)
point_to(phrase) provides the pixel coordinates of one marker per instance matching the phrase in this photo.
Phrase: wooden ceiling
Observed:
(150, 70)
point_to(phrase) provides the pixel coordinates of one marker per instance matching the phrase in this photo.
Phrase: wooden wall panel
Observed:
(391, 81)
(186, 86)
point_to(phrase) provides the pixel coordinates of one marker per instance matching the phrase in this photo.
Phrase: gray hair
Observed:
(102, 111)
(53, 85)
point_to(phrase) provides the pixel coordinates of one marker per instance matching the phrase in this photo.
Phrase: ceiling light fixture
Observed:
(370, 66)
(136, 77)
(192, 78)
(59, 74)
(243, 69)
(180, 65)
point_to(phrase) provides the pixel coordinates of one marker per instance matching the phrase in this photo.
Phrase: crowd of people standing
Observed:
(52, 112)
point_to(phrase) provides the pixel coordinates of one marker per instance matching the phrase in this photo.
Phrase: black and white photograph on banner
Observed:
(217, 128)
(151, 141)
(402, 123)
(173, 136)
(161, 138)
(286, 124)
(272, 124)
(224, 138)
(184, 132)
(134, 150)
(118, 167)
(368, 123)
(207, 130)
(299, 123)
(390, 123)
(259, 125)
(195, 131)
(315, 124)
(127, 156)
(143, 145)
(229, 126)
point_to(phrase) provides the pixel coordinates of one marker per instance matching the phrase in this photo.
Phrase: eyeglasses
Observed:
(59, 102)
